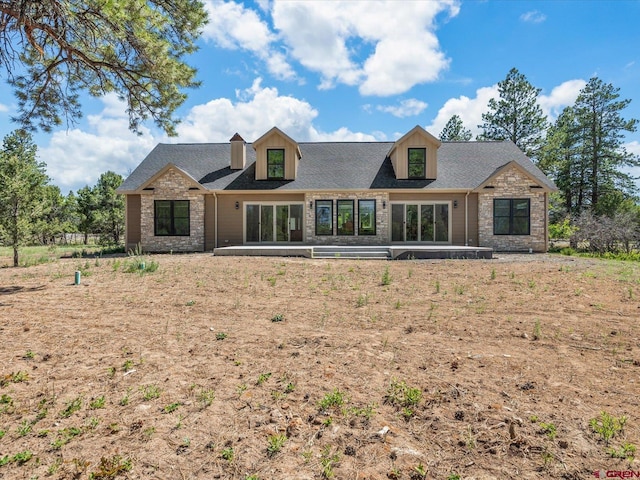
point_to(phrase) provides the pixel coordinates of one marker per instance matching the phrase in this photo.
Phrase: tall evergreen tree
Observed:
(86, 205)
(110, 207)
(454, 131)
(516, 115)
(602, 128)
(22, 182)
(51, 50)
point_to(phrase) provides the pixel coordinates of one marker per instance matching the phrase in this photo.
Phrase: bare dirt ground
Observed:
(269, 368)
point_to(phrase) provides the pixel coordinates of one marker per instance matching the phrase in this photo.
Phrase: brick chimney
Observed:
(238, 152)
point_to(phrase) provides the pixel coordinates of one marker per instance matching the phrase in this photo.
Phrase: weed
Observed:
(64, 436)
(386, 277)
(278, 317)
(537, 330)
(92, 423)
(365, 412)
(227, 454)
(421, 470)
(453, 476)
(22, 457)
(627, 451)
(362, 300)
(71, 407)
(289, 388)
(19, 377)
(401, 394)
(172, 407)
(272, 281)
(127, 365)
(149, 392)
(221, 336)
(397, 305)
(276, 443)
(29, 355)
(252, 477)
(148, 432)
(334, 399)
(549, 429)
(97, 403)
(206, 397)
(111, 372)
(110, 468)
(328, 461)
(532, 284)
(459, 289)
(24, 428)
(53, 468)
(437, 286)
(5, 399)
(190, 303)
(241, 388)
(124, 401)
(493, 274)
(2, 433)
(263, 377)
(607, 426)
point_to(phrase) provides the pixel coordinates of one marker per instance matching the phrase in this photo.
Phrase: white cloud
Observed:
(533, 16)
(232, 26)
(561, 96)
(76, 158)
(407, 108)
(356, 44)
(4, 108)
(469, 110)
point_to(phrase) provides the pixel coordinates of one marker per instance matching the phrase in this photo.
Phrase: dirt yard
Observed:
(266, 368)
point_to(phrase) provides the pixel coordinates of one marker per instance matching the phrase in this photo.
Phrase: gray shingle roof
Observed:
(335, 166)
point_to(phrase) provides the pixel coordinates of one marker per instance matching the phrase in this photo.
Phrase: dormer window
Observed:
(417, 163)
(275, 164)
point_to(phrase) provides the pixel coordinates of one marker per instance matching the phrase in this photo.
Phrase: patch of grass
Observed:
(493, 274)
(263, 377)
(362, 300)
(221, 336)
(607, 426)
(386, 277)
(278, 317)
(71, 407)
(110, 468)
(172, 407)
(537, 330)
(401, 394)
(97, 403)
(276, 442)
(327, 461)
(206, 397)
(150, 392)
(335, 399)
(626, 451)
(227, 454)
(549, 429)
(65, 436)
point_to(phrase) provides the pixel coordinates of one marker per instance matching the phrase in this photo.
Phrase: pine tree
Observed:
(22, 183)
(454, 131)
(516, 115)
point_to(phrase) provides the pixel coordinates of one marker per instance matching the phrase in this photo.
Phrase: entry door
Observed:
(269, 223)
(420, 222)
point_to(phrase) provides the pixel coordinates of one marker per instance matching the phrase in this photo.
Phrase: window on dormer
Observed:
(275, 163)
(417, 163)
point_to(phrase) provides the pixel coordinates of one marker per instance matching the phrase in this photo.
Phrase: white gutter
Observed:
(466, 219)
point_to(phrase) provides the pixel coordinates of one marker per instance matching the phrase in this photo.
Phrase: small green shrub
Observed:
(607, 426)
(149, 392)
(276, 442)
(227, 454)
(278, 317)
(335, 399)
(97, 403)
(71, 407)
(626, 451)
(172, 407)
(386, 277)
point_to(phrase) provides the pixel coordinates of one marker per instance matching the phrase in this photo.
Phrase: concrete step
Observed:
(351, 252)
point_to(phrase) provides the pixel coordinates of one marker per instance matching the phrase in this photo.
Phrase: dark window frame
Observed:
(270, 164)
(324, 203)
(511, 216)
(172, 217)
(368, 232)
(422, 164)
(346, 201)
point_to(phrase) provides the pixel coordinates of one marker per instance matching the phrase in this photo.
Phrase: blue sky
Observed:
(359, 70)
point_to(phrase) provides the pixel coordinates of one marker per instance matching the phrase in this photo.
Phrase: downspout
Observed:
(466, 219)
(215, 221)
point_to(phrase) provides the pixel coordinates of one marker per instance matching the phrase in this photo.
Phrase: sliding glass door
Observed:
(273, 223)
(420, 222)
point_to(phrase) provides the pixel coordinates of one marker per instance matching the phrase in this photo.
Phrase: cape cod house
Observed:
(416, 191)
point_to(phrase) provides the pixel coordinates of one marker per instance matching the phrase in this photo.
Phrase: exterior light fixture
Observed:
(455, 204)
(310, 204)
(237, 205)
(384, 204)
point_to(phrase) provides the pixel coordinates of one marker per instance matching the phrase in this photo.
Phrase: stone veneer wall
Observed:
(382, 219)
(172, 186)
(513, 184)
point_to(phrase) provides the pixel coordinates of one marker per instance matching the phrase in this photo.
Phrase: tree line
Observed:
(33, 211)
(582, 151)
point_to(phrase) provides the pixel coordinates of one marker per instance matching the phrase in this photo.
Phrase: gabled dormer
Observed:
(277, 156)
(414, 156)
